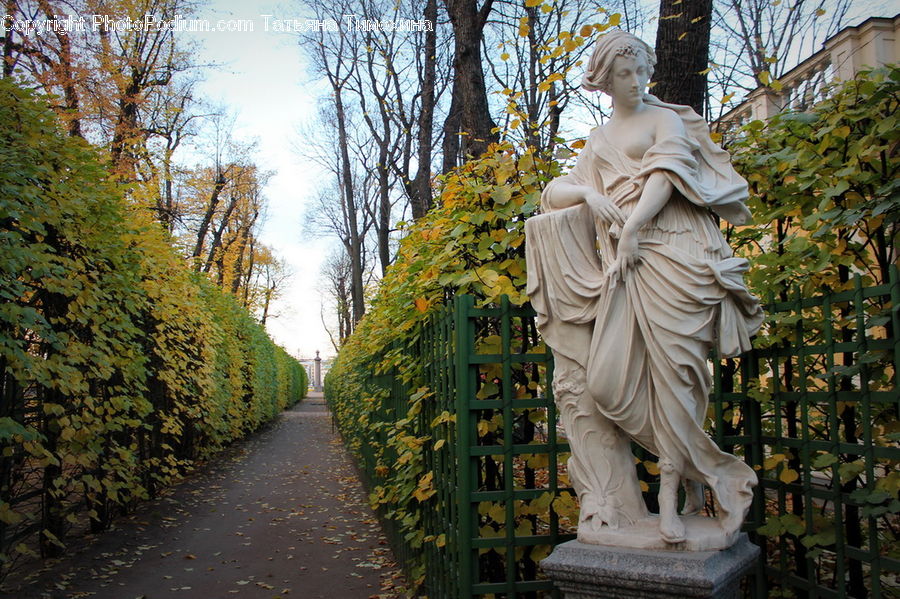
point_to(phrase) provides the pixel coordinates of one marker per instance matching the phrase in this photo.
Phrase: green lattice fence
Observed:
(494, 451)
(815, 413)
(509, 456)
(817, 409)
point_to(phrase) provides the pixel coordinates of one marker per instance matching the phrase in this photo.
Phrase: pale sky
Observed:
(264, 82)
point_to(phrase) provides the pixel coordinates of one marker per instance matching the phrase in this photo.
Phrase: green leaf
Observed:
(9, 429)
(824, 461)
(850, 470)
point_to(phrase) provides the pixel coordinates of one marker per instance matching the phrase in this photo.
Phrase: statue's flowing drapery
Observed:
(643, 343)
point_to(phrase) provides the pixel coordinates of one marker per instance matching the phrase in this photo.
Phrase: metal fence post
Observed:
(465, 335)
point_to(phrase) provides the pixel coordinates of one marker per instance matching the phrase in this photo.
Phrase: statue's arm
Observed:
(570, 190)
(657, 191)
(658, 188)
(562, 193)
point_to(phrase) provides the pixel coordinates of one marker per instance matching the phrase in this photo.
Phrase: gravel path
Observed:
(281, 515)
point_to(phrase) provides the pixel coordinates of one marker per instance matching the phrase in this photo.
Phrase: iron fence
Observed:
(814, 411)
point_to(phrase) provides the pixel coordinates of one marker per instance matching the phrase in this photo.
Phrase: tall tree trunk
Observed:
(476, 123)
(165, 208)
(421, 198)
(853, 530)
(244, 242)
(354, 242)
(384, 210)
(9, 62)
(53, 523)
(251, 264)
(123, 148)
(267, 299)
(682, 52)
(217, 236)
(63, 71)
(450, 147)
(532, 94)
(207, 217)
(73, 118)
(12, 401)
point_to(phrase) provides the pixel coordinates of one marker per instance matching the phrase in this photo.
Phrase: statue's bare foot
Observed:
(671, 529)
(693, 498)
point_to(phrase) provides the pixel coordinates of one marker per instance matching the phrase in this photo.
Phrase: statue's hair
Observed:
(611, 44)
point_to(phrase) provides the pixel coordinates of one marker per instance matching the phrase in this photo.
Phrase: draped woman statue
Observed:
(633, 283)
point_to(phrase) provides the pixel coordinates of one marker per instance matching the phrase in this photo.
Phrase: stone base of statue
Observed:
(583, 571)
(701, 534)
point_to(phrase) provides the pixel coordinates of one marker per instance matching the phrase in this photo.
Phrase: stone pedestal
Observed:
(593, 571)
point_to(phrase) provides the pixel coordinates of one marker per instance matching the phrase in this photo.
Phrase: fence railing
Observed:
(814, 412)
(824, 422)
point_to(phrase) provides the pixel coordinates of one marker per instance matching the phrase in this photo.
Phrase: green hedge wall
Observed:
(119, 366)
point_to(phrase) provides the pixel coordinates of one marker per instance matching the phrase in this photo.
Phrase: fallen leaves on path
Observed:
(266, 522)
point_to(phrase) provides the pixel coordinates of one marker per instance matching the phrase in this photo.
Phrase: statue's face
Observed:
(628, 79)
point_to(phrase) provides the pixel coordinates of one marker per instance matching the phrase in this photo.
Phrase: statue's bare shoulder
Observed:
(666, 123)
(638, 132)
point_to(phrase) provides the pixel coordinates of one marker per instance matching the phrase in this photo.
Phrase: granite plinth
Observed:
(584, 571)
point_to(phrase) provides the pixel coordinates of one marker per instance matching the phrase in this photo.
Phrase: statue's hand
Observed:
(627, 257)
(604, 208)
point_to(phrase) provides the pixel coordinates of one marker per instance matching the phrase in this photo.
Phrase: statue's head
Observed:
(611, 44)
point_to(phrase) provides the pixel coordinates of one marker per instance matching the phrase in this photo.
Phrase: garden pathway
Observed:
(280, 515)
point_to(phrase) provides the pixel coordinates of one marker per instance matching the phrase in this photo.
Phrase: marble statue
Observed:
(633, 283)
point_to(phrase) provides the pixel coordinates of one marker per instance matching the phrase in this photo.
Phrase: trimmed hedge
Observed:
(119, 366)
(472, 243)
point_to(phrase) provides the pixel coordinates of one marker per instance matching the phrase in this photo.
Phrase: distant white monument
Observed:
(317, 379)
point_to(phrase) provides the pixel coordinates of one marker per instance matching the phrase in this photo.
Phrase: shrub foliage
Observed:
(119, 366)
(473, 243)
